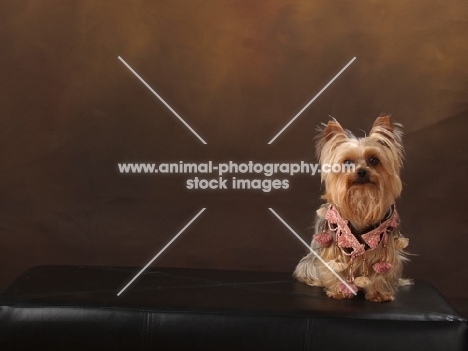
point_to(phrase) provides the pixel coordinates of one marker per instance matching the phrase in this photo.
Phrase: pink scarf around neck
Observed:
(347, 241)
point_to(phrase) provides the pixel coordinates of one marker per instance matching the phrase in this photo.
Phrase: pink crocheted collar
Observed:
(356, 244)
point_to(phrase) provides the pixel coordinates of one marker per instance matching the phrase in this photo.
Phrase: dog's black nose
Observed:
(361, 172)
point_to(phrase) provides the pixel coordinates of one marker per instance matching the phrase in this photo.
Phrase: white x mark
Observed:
(162, 100)
(311, 101)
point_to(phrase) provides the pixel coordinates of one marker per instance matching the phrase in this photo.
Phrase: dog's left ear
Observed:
(385, 131)
(388, 134)
(382, 123)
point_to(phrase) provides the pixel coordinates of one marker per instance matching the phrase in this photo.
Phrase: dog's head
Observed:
(361, 175)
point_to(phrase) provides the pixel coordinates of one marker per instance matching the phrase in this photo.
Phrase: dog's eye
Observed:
(373, 161)
(348, 162)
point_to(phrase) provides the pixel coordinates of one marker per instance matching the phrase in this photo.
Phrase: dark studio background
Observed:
(237, 72)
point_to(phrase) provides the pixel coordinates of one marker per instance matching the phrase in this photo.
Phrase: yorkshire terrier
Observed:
(357, 230)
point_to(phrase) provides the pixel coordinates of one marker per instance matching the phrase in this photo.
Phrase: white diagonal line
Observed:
(162, 100)
(311, 250)
(311, 101)
(162, 250)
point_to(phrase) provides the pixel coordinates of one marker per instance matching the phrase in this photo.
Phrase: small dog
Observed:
(357, 231)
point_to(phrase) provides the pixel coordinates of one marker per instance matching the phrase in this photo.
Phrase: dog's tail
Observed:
(405, 281)
(306, 271)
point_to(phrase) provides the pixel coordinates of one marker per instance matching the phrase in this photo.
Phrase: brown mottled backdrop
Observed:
(237, 72)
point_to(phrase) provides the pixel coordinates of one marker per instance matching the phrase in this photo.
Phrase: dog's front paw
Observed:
(338, 295)
(342, 291)
(380, 296)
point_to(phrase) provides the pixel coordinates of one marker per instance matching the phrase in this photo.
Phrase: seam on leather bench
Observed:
(243, 313)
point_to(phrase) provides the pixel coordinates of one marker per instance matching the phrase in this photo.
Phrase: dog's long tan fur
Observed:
(362, 204)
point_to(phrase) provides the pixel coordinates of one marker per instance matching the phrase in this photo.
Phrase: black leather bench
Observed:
(77, 308)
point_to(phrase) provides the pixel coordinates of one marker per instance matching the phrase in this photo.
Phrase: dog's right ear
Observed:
(332, 129)
(331, 132)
